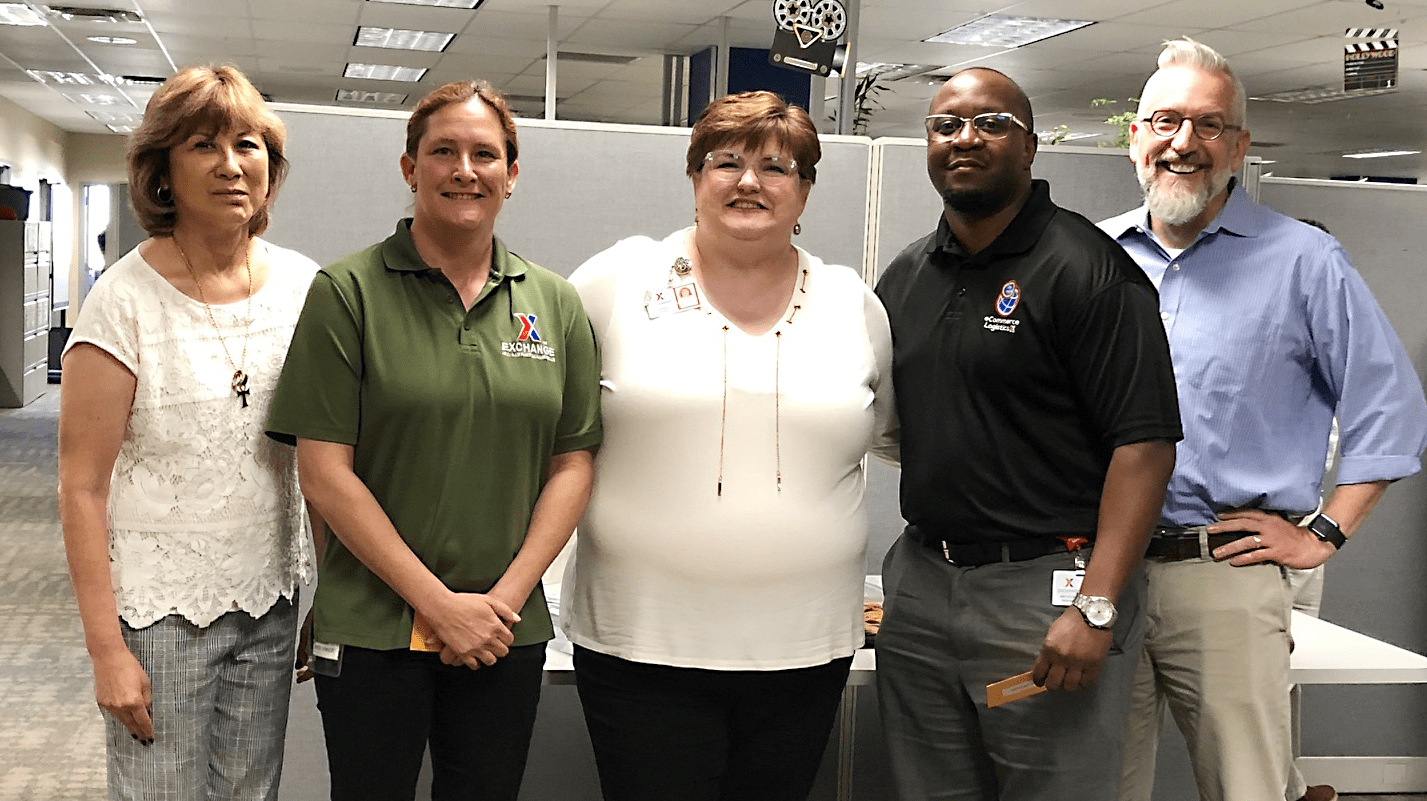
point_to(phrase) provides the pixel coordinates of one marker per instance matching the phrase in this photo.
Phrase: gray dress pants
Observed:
(949, 631)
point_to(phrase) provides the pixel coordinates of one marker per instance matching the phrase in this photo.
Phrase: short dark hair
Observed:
(460, 92)
(752, 119)
(206, 98)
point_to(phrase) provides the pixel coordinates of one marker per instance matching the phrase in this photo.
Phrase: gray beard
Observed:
(1179, 206)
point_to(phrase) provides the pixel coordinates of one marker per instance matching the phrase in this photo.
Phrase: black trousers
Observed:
(386, 706)
(686, 734)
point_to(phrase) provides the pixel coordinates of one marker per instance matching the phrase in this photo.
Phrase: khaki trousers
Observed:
(1216, 655)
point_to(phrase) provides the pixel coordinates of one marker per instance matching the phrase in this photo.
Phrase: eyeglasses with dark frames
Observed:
(1167, 125)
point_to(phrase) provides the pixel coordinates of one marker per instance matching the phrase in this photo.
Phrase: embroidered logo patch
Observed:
(1010, 297)
(527, 328)
(528, 344)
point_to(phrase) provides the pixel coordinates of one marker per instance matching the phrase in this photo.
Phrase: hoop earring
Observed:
(797, 228)
(413, 189)
(163, 195)
(508, 194)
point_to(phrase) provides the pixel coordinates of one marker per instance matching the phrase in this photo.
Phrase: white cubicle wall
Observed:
(584, 186)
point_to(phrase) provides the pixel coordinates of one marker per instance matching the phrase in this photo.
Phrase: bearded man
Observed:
(1271, 330)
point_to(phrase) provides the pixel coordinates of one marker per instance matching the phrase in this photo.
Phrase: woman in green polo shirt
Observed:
(444, 397)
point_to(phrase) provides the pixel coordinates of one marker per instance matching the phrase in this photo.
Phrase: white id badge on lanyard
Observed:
(1064, 585)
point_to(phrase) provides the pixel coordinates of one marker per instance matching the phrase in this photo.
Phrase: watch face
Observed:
(1099, 612)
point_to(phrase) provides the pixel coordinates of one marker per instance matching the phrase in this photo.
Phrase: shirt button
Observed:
(961, 292)
(1164, 315)
(468, 326)
(1176, 268)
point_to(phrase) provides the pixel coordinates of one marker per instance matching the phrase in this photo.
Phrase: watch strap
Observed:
(1326, 529)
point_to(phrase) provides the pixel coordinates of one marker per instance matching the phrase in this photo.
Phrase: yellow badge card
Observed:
(423, 638)
(1007, 690)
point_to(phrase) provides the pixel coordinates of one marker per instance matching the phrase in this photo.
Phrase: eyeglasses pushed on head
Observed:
(992, 125)
(1167, 124)
(728, 165)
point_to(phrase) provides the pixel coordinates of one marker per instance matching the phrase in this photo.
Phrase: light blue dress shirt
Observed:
(1272, 331)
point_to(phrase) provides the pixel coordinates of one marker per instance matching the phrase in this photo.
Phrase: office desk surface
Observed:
(1323, 653)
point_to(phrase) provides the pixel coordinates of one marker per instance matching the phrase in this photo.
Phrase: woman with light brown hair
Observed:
(715, 599)
(443, 393)
(183, 523)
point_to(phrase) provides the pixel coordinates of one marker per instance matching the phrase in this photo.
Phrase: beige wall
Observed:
(38, 150)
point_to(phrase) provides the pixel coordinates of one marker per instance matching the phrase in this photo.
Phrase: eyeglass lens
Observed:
(728, 164)
(990, 126)
(1168, 123)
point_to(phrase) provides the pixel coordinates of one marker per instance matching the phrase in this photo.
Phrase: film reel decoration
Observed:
(831, 18)
(791, 13)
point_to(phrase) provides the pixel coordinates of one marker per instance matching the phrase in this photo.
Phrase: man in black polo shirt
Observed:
(1038, 412)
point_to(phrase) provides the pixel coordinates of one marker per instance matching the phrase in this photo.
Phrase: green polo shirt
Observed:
(453, 416)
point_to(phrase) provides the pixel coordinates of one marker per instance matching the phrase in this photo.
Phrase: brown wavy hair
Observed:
(207, 98)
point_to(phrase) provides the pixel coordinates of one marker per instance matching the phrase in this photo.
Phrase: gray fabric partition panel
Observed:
(581, 188)
(1376, 584)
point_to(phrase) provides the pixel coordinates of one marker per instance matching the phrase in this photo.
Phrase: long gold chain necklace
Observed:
(240, 378)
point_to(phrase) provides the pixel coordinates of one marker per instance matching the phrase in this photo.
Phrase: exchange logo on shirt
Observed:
(528, 345)
(1006, 304)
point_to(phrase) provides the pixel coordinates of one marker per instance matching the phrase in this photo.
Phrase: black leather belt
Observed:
(975, 554)
(1175, 543)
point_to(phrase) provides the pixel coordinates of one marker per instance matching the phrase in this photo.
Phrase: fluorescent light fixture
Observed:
(63, 78)
(401, 39)
(1005, 31)
(1380, 154)
(360, 96)
(384, 72)
(20, 14)
(91, 14)
(1046, 136)
(93, 99)
(121, 128)
(442, 3)
(894, 72)
(112, 116)
(138, 80)
(112, 40)
(1319, 94)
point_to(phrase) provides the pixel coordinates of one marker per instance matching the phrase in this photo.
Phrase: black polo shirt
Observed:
(1018, 371)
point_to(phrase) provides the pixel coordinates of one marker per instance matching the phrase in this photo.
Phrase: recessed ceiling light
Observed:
(1001, 30)
(443, 3)
(63, 78)
(20, 14)
(360, 96)
(401, 39)
(1380, 154)
(384, 72)
(112, 40)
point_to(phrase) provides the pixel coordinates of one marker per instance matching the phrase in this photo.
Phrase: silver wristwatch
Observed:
(1099, 612)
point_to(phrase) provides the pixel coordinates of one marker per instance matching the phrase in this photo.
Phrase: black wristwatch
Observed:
(1326, 529)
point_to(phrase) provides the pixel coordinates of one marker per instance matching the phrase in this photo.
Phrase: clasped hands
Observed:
(473, 629)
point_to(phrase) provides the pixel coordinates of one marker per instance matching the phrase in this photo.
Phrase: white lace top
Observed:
(205, 516)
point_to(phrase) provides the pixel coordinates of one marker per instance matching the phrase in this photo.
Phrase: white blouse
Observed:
(673, 566)
(205, 516)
